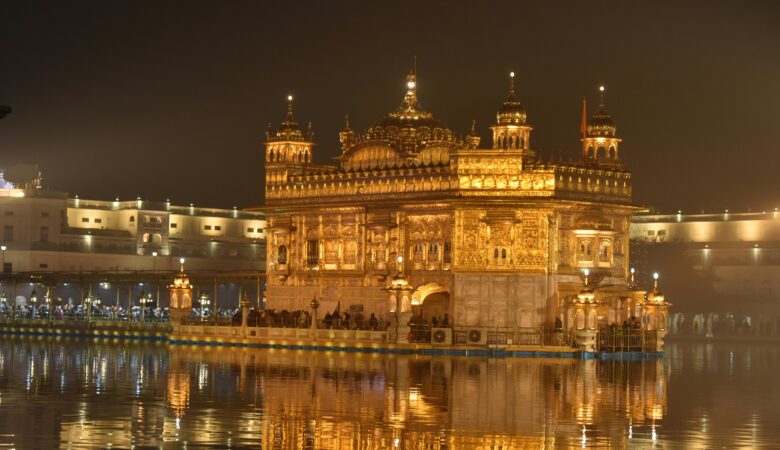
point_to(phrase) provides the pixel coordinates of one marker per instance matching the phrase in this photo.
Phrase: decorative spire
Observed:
(346, 135)
(511, 84)
(289, 109)
(584, 122)
(472, 140)
(602, 107)
(410, 99)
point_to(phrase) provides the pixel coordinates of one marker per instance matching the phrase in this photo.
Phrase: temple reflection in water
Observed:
(127, 395)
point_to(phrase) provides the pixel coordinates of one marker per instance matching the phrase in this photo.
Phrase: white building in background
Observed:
(733, 257)
(43, 230)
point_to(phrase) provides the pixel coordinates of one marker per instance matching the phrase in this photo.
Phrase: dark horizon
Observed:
(171, 101)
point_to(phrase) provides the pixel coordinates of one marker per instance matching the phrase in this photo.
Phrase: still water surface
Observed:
(97, 394)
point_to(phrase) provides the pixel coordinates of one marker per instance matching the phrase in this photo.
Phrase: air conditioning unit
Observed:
(475, 336)
(441, 336)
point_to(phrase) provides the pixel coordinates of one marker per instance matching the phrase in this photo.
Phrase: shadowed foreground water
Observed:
(96, 394)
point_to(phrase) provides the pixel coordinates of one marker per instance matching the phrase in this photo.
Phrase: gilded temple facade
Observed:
(414, 219)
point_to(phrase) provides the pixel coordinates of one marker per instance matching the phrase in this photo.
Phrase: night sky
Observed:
(171, 99)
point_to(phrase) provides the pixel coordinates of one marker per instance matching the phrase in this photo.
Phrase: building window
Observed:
(417, 254)
(207, 227)
(8, 233)
(604, 253)
(8, 267)
(44, 234)
(174, 225)
(447, 252)
(9, 213)
(98, 220)
(43, 266)
(282, 254)
(312, 252)
(132, 219)
(586, 250)
(217, 227)
(85, 220)
(45, 214)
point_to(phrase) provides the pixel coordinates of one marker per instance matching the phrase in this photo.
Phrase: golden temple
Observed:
(415, 221)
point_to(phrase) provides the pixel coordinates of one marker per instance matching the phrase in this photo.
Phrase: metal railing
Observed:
(516, 336)
(622, 339)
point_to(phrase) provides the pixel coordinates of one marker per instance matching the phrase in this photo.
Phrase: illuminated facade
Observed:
(490, 235)
(46, 231)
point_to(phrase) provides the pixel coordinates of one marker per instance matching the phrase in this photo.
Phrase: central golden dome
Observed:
(410, 128)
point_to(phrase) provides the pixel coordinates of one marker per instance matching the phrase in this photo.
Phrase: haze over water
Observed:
(99, 394)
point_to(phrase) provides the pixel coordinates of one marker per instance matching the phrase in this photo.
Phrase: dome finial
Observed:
(474, 127)
(602, 94)
(511, 83)
(410, 99)
(346, 122)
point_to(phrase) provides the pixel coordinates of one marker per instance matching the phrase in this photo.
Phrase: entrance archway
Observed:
(431, 300)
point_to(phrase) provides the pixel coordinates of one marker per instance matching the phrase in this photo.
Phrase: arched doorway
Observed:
(429, 301)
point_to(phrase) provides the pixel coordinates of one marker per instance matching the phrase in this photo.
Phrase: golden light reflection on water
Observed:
(82, 394)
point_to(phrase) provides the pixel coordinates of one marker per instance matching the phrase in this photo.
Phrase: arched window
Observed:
(312, 252)
(503, 253)
(132, 219)
(418, 251)
(601, 153)
(612, 152)
(590, 151)
(495, 253)
(604, 251)
(145, 237)
(586, 249)
(282, 254)
(447, 252)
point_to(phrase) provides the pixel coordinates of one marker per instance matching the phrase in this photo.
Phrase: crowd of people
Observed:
(335, 320)
(84, 312)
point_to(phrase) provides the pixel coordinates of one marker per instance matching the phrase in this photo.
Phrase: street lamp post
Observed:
(47, 299)
(315, 305)
(204, 301)
(154, 261)
(3, 248)
(4, 301)
(34, 301)
(145, 300)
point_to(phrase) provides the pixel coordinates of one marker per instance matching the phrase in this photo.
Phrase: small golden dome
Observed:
(601, 125)
(512, 111)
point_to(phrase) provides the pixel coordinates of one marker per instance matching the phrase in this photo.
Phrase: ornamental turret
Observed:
(285, 147)
(180, 297)
(599, 139)
(511, 130)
